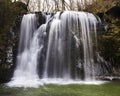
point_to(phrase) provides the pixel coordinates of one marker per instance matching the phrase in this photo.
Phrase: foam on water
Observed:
(60, 81)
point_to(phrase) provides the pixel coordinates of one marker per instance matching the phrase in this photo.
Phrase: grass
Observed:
(108, 89)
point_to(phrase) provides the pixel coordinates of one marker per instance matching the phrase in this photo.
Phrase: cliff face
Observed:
(110, 40)
(109, 33)
(9, 12)
(109, 37)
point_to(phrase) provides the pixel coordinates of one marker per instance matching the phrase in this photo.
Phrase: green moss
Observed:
(108, 89)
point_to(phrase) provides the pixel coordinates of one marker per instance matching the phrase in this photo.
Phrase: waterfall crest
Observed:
(61, 50)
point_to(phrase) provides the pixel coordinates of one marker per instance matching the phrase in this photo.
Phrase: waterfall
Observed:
(66, 28)
(29, 48)
(61, 50)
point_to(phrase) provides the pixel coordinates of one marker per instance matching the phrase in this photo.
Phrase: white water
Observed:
(69, 33)
(83, 26)
(29, 48)
(59, 81)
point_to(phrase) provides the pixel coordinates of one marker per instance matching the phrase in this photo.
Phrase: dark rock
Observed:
(114, 12)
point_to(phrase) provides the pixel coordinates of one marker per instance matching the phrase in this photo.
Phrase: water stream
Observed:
(66, 41)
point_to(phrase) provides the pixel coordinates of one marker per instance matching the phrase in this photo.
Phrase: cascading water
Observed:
(66, 43)
(65, 28)
(29, 48)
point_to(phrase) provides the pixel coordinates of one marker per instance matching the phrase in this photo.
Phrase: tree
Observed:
(55, 5)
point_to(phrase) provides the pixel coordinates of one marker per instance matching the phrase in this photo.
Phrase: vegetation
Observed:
(110, 42)
(108, 89)
(109, 39)
(109, 35)
(55, 5)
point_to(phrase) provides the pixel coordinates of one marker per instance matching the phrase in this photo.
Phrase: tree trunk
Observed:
(63, 4)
